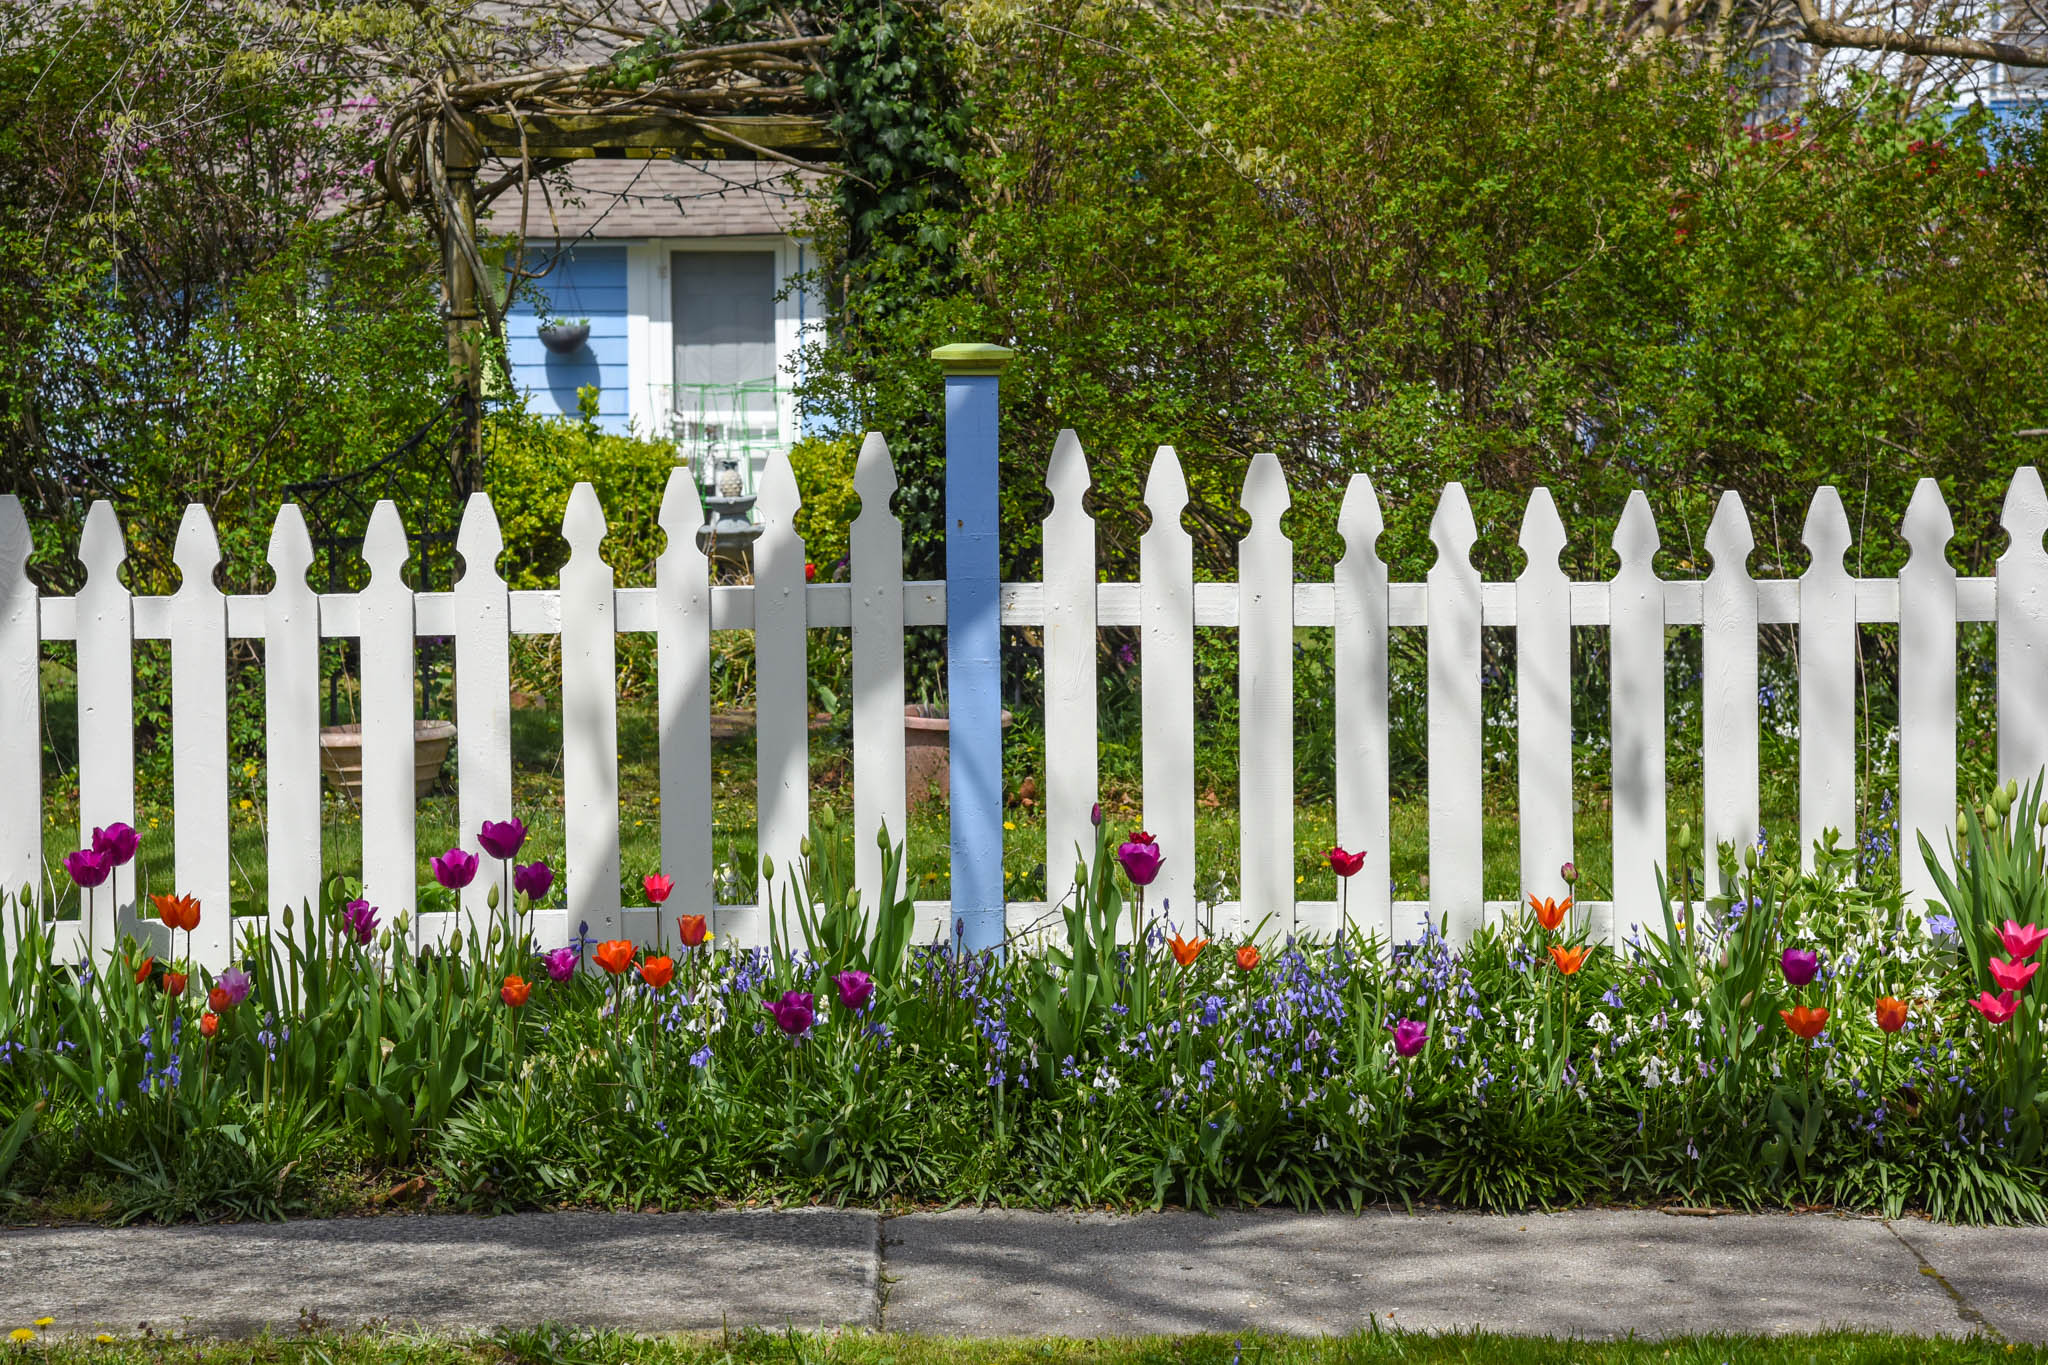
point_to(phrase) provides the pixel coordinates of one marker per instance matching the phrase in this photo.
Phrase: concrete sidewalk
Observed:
(1591, 1274)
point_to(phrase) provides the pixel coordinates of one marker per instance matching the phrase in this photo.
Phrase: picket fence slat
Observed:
(1456, 829)
(682, 588)
(2023, 631)
(390, 836)
(1637, 710)
(590, 723)
(1543, 700)
(21, 739)
(1827, 679)
(1265, 703)
(1071, 641)
(1362, 759)
(1166, 661)
(1729, 699)
(199, 737)
(1927, 688)
(291, 717)
(875, 552)
(483, 698)
(106, 709)
(782, 707)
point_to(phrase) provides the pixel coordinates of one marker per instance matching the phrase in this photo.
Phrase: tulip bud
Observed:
(497, 934)
(1962, 826)
(1749, 857)
(882, 838)
(1095, 814)
(827, 820)
(455, 942)
(2001, 801)
(403, 921)
(2041, 816)
(287, 917)
(491, 897)
(803, 846)
(853, 898)
(27, 890)
(1570, 873)
(1685, 835)
(2012, 789)
(767, 868)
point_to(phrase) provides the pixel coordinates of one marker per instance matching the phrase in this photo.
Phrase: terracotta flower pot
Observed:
(341, 755)
(926, 767)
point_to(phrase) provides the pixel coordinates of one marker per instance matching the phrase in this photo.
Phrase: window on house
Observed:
(723, 316)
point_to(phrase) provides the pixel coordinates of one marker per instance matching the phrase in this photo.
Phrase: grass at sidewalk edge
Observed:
(558, 1345)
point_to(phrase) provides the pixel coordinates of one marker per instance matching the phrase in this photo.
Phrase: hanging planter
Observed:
(564, 337)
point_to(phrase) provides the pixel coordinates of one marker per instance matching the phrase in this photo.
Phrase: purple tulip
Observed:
(117, 842)
(561, 964)
(361, 919)
(1141, 858)
(502, 841)
(1095, 814)
(1409, 1036)
(854, 989)
(236, 983)
(455, 869)
(88, 867)
(1799, 966)
(534, 881)
(793, 1012)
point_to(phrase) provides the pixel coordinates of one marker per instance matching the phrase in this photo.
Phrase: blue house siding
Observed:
(588, 282)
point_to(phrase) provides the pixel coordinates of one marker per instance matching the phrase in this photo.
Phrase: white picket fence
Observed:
(1266, 606)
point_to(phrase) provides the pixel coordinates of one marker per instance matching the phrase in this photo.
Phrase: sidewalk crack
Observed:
(881, 1267)
(1964, 1308)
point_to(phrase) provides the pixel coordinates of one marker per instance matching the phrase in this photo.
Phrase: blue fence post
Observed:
(974, 738)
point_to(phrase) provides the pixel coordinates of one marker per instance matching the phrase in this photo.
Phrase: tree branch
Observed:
(1829, 33)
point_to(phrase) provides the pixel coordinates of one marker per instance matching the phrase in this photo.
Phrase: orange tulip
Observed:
(209, 1024)
(516, 991)
(1804, 1020)
(219, 1001)
(1186, 950)
(614, 955)
(177, 912)
(690, 929)
(657, 971)
(1248, 956)
(1550, 913)
(1891, 1013)
(1569, 960)
(142, 972)
(174, 983)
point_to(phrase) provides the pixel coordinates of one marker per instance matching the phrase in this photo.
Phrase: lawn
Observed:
(555, 1345)
(537, 788)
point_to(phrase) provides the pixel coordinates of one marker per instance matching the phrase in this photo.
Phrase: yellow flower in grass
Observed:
(105, 1338)
(21, 1335)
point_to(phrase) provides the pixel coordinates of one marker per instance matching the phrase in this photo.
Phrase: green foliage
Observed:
(824, 482)
(536, 462)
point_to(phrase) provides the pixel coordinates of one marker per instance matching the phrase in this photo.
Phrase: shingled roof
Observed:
(658, 198)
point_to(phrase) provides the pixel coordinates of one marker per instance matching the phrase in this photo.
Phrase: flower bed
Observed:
(1805, 1040)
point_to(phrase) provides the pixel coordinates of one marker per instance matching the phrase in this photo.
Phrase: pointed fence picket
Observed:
(1166, 663)
(291, 717)
(21, 738)
(1927, 688)
(1728, 713)
(199, 735)
(1543, 700)
(483, 699)
(1072, 634)
(1456, 850)
(1265, 607)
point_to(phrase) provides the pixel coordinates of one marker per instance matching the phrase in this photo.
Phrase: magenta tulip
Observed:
(1141, 856)
(88, 867)
(793, 1012)
(117, 841)
(561, 964)
(502, 841)
(455, 869)
(534, 880)
(854, 989)
(1799, 966)
(361, 919)
(1409, 1036)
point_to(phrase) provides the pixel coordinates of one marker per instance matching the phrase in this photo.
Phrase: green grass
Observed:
(554, 1345)
(537, 796)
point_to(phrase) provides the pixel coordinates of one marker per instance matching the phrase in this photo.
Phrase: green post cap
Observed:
(973, 357)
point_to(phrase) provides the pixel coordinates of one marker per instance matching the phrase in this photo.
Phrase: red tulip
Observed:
(1996, 1010)
(658, 887)
(1186, 950)
(614, 955)
(142, 972)
(1805, 1020)
(690, 929)
(1248, 957)
(1891, 1013)
(1550, 913)
(209, 1024)
(515, 992)
(1569, 960)
(2021, 940)
(657, 971)
(174, 983)
(1346, 864)
(177, 912)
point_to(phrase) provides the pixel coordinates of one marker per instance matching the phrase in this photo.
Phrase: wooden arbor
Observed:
(741, 101)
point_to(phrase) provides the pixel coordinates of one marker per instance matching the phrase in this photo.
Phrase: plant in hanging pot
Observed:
(563, 335)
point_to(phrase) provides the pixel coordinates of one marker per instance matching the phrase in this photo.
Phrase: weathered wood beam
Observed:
(732, 137)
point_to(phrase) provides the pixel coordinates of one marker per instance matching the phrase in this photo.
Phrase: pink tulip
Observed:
(2021, 941)
(1997, 1010)
(2011, 976)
